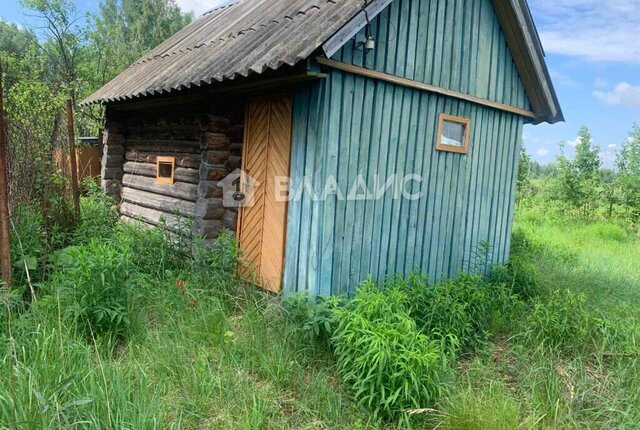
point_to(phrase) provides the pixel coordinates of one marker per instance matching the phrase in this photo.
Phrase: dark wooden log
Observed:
(178, 190)
(137, 222)
(208, 229)
(236, 132)
(112, 188)
(230, 220)
(214, 141)
(215, 157)
(234, 162)
(181, 174)
(191, 161)
(210, 208)
(215, 124)
(212, 172)
(209, 189)
(113, 149)
(113, 125)
(236, 149)
(155, 217)
(112, 137)
(112, 173)
(166, 132)
(159, 202)
(149, 145)
(112, 161)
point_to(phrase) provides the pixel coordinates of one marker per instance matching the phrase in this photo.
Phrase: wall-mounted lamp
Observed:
(369, 44)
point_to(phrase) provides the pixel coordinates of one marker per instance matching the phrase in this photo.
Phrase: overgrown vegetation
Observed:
(126, 330)
(113, 326)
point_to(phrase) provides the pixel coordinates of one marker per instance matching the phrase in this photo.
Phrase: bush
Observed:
(94, 289)
(314, 319)
(463, 311)
(98, 215)
(390, 366)
(520, 275)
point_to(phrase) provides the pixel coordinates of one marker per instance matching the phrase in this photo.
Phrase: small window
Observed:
(453, 134)
(166, 169)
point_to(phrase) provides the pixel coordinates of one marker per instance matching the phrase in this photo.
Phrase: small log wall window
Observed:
(166, 170)
(453, 134)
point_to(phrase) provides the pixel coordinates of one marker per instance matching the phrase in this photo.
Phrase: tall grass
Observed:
(130, 330)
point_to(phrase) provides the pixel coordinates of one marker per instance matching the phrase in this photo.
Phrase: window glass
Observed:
(453, 134)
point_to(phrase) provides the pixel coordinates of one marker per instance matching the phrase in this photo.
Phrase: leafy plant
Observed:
(390, 366)
(94, 289)
(463, 311)
(315, 319)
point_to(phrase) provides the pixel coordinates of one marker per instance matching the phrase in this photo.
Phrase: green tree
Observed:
(579, 179)
(628, 163)
(127, 29)
(523, 184)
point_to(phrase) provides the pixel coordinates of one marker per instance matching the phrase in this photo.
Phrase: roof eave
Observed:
(522, 37)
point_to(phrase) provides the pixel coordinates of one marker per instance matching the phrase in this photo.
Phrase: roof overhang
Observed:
(523, 41)
(175, 56)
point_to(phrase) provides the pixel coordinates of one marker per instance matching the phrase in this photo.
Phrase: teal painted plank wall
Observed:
(454, 44)
(348, 126)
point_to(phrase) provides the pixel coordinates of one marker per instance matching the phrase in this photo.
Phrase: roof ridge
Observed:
(235, 34)
(227, 4)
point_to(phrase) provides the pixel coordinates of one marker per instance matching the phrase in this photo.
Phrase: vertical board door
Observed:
(266, 159)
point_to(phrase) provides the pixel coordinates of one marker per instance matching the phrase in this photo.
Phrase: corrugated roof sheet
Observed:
(250, 36)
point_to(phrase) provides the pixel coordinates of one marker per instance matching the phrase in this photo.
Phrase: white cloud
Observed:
(198, 7)
(623, 94)
(593, 29)
(542, 152)
(574, 142)
(612, 146)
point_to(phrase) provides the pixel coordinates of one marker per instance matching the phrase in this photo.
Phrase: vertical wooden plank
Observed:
(266, 159)
(298, 145)
(254, 161)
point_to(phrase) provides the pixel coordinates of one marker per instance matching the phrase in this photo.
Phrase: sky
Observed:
(593, 55)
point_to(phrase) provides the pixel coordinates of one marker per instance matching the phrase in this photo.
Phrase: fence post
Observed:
(73, 160)
(5, 250)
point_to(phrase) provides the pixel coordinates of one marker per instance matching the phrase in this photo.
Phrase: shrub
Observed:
(314, 319)
(520, 275)
(390, 366)
(98, 217)
(466, 310)
(95, 289)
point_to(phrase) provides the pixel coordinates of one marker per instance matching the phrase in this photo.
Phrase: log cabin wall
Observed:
(206, 149)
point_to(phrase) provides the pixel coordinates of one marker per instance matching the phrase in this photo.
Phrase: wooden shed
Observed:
(357, 137)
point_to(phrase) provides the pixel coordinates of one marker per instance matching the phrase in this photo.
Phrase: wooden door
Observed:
(266, 158)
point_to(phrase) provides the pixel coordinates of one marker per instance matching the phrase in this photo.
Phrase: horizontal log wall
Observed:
(206, 149)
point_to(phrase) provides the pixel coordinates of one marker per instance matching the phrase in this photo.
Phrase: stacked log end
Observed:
(216, 164)
(113, 160)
